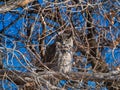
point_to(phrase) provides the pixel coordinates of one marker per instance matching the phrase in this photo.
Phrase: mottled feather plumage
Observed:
(61, 53)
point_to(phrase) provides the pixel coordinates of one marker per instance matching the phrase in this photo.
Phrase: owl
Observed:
(61, 52)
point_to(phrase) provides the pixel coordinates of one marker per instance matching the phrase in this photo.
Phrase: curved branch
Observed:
(11, 4)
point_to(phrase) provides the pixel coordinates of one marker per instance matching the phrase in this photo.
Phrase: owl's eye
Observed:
(59, 39)
(67, 41)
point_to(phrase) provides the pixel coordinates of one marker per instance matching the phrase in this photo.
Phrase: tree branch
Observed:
(11, 4)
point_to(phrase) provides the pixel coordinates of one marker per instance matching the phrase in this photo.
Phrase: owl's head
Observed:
(65, 39)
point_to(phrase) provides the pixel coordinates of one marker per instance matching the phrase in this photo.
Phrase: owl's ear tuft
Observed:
(59, 36)
(69, 34)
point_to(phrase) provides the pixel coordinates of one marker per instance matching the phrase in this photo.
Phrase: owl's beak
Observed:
(63, 43)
